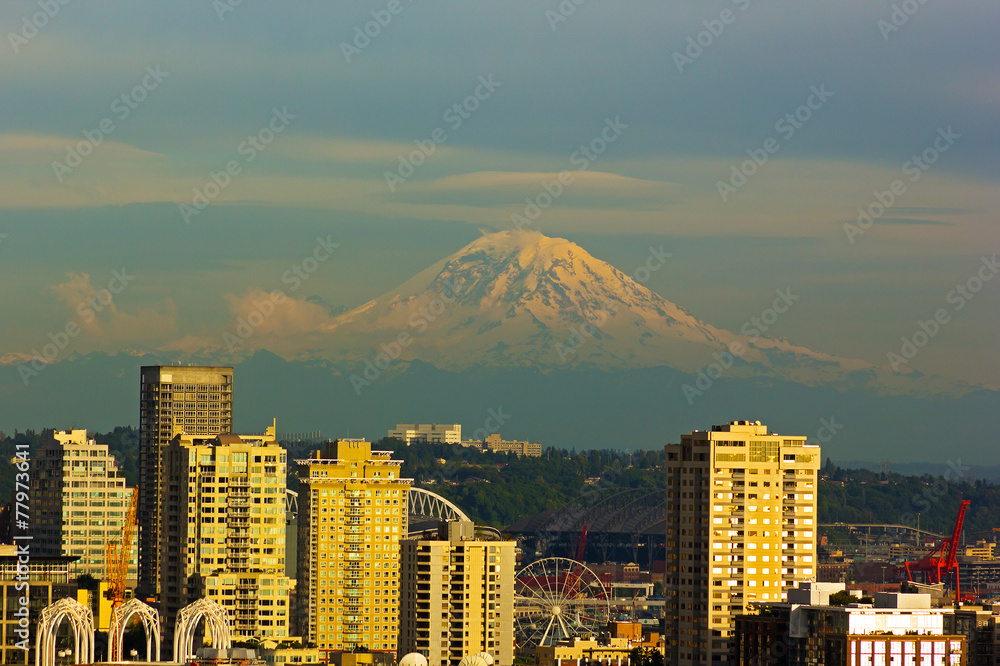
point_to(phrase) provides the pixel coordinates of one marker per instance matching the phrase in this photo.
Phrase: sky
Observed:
(184, 155)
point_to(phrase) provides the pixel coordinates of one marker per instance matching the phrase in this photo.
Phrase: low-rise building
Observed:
(613, 649)
(897, 630)
(495, 444)
(438, 433)
(39, 582)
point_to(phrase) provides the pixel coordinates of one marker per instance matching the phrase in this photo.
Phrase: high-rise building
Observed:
(456, 596)
(440, 433)
(352, 514)
(78, 501)
(194, 400)
(222, 533)
(741, 528)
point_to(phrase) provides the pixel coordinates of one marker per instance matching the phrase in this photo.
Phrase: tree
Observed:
(844, 597)
(645, 656)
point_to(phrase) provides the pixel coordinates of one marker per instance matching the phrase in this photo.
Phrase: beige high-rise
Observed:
(456, 596)
(197, 401)
(741, 528)
(352, 514)
(78, 501)
(222, 531)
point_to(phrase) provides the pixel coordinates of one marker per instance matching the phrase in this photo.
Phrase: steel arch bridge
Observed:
(431, 505)
(612, 509)
(627, 522)
(422, 503)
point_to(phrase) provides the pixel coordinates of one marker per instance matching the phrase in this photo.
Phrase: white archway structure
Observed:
(216, 622)
(425, 503)
(119, 620)
(81, 620)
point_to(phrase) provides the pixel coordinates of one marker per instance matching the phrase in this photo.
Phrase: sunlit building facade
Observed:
(740, 528)
(352, 515)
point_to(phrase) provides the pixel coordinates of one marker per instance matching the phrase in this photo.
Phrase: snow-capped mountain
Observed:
(519, 298)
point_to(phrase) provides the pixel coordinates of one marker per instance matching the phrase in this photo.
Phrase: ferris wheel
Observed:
(557, 598)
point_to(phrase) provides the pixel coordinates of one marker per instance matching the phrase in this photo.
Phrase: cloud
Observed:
(590, 189)
(102, 320)
(315, 148)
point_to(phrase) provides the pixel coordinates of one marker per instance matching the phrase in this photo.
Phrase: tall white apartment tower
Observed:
(222, 531)
(740, 528)
(456, 596)
(78, 501)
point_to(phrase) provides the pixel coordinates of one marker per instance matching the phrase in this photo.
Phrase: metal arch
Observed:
(150, 623)
(81, 620)
(216, 623)
(610, 509)
(425, 503)
(487, 533)
(291, 501)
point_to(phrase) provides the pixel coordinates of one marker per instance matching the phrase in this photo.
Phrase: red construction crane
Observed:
(941, 561)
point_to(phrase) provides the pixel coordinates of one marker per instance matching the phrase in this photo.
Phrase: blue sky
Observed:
(555, 85)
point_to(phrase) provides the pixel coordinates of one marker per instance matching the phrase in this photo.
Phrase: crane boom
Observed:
(118, 558)
(119, 555)
(944, 558)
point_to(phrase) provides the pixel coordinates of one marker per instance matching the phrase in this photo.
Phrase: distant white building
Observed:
(439, 433)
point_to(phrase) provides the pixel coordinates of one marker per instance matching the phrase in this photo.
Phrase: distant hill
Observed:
(568, 408)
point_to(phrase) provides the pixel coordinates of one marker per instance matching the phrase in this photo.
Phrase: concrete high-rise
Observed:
(78, 501)
(194, 400)
(222, 531)
(352, 514)
(741, 528)
(456, 596)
